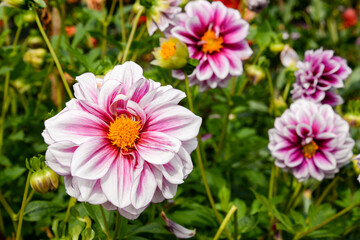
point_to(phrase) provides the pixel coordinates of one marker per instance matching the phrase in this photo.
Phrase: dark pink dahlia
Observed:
(215, 35)
(319, 75)
(310, 140)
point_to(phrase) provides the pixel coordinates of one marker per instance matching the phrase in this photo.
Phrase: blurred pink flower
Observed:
(123, 142)
(311, 140)
(159, 14)
(215, 35)
(288, 56)
(319, 75)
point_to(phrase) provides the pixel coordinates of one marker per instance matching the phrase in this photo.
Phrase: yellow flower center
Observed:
(310, 149)
(167, 49)
(212, 43)
(124, 132)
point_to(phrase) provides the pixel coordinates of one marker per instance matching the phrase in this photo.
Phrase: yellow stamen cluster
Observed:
(212, 43)
(310, 149)
(124, 132)
(167, 50)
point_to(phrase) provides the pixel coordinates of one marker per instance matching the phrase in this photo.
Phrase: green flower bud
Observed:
(255, 73)
(22, 4)
(44, 180)
(276, 47)
(34, 41)
(28, 17)
(279, 105)
(35, 57)
(172, 54)
(39, 182)
(353, 119)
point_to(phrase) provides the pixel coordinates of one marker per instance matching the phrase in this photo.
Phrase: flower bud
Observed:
(22, 4)
(44, 180)
(34, 41)
(276, 47)
(257, 5)
(172, 54)
(28, 17)
(353, 119)
(288, 57)
(35, 57)
(255, 73)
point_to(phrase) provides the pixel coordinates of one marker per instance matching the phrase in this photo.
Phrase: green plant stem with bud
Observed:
(53, 54)
(16, 38)
(293, 196)
(231, 212)
(22, 209)
(327, 190)
(131, 37)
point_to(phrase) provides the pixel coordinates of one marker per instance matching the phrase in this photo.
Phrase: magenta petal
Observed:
(315, 171)
(325, 161)
(157, 147)
(204, 70)
(236, 32)
(294, 158)
(303, 130)
(93, 159)
(76, 126)
(118, 181)
(201, 9)
(301, 172)
(175, 121)
(86, 88)
(59, 155)
(109, 91)
(144, 187)
(317, 124)
(219, 64)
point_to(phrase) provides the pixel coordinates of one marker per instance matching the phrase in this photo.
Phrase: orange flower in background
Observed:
(230, 3)
(70, 30)
(350, 18)
(94, 4)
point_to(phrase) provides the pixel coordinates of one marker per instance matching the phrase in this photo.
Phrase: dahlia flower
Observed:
(310, 140)
(123, 142)
(319, 75)
(215, 35)
(159, 13)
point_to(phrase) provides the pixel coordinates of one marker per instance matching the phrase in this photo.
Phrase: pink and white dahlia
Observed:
(159, 13)
(215, 35)
(319, 75)
(123, 142)
(310, 140)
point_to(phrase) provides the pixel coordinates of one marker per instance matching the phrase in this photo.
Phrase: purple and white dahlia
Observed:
(215, 35)
(319, 75)
(123, 142)
(310, 140)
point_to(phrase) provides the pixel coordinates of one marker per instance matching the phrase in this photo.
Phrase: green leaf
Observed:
(224, 196)
(241, 205)
(4, 161)
(81, 57)
(284, 220)
(36, 210)
(40, 3)
(10, 174)
(88, 234)
(264, 35)
(5, 69)
(95, 213)
(318, 214)
(153, 227)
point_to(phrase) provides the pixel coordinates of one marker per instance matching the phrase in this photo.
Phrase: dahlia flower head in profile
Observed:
(123, 141)
(215, 35)
(311, 141)
(159, 13)
(319, 75)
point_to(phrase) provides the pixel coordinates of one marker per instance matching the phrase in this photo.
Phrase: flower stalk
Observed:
(53, 54)
(231, 212)
(22, 209)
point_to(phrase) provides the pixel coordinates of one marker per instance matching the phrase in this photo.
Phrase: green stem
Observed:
(223, 133)
(4, 108)
(106, 230)
(117, 224)
(22, 209)
(6, 26)
(326, 191)
(258, 55)
(294, 196)
(225, 222)
(342, 212)
(271, 184)
(243, 86)
(53, 54)
(271, 89)
(30, 197)
(198, 154)
(16, 39)
(286, 90)
(132, 33)
(123, 30)
(7, 207)
(106, 24)
(72, 202)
